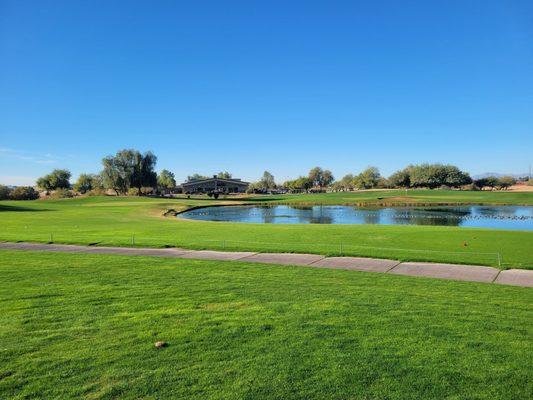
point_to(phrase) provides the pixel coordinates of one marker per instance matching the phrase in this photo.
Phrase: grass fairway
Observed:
(409, 197)
(121, 220)
(84, 326)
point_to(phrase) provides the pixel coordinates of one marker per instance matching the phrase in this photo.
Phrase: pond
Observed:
(500, 217)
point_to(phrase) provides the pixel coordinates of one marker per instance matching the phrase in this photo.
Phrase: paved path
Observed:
(516, 277)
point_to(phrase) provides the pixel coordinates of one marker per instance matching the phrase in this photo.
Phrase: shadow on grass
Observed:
(4, 207)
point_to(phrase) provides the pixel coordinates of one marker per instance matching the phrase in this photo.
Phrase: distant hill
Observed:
(498, 175)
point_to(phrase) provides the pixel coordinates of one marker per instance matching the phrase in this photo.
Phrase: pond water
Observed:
(501, 217)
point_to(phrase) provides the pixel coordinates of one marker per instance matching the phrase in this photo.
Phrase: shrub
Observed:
(4, 192)
(61, 194)
(133, 192)
(24, 193)
(97, 192)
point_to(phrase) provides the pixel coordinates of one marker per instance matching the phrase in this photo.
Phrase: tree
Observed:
(400, 179)
(302, 183)
(368, 179)
(455, 177)
(489, 181)
(327, 178)
(346, 183)
(4, 192)
(145, 175)
(320, 178)
(24, 193)
(506, 181)
(436, 175)
(57, 179)
(196, 177)
(224, 175)
(86, 183)
(315, 175)
(267, 181)
(165, 180)
(129, 169)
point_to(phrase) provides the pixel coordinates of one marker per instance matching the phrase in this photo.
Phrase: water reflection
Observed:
(504, 217)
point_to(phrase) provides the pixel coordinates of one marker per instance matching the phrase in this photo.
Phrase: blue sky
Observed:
(246, 86)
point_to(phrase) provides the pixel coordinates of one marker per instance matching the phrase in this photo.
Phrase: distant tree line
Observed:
(130, 172)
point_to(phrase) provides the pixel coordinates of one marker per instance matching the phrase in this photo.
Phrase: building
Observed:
(215, 185)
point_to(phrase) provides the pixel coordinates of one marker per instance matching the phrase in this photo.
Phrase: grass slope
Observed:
(410, 197)
(84, 326)
(115, 220)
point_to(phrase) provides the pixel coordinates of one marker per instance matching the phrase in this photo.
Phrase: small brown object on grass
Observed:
(160, 344)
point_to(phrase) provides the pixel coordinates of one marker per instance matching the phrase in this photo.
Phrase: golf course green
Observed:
(141, 221)
(84, 326)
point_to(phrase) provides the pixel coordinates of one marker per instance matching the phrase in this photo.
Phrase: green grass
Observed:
(116, 220)
(83, 327)
(410, 197)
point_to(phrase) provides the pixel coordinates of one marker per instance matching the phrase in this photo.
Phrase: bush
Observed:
(4, 192)
(471, 186)
(133, 192)
(145, 190)
(24, 193)
(97, 192)
(61, 194)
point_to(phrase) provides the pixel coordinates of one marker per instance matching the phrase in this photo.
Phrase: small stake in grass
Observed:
(51, 238)
(133, 240)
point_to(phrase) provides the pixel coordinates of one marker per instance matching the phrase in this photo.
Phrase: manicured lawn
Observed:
(122, 221)
(84, 326)
(399, 197)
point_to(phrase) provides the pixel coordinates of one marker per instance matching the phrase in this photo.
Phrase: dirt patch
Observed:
(521, 188)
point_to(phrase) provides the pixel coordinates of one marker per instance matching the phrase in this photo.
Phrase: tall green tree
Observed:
(315, 175)
(321, 178)
(267, 181)
(166, 180)
(327, 178)
(129, 169)
(368, 179)
(57, 179)
(87, 182)
(400, 179)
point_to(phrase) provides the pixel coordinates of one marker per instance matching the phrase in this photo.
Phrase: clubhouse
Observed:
(215, 185)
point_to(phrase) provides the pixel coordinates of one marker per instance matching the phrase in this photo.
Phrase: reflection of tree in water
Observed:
(496, 212)
(319, 215)
(430, 216)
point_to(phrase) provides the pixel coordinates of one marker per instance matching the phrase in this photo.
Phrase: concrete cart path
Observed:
(516, 277)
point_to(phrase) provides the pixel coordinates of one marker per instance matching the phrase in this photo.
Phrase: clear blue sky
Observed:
(246, 86)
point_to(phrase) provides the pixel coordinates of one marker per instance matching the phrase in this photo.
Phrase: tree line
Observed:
(425, 175)
(130, 172)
